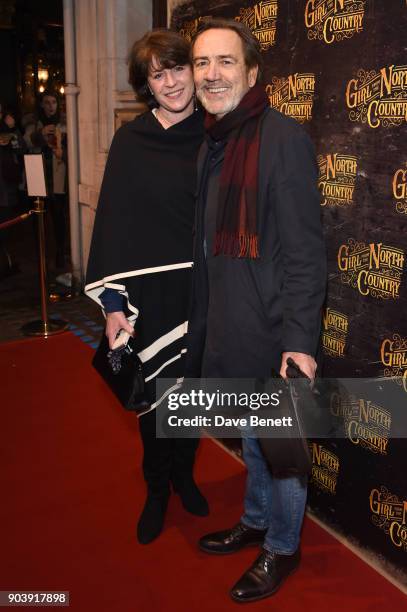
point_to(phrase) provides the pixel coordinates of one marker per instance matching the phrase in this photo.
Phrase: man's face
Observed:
(220, 72)
(49, 105)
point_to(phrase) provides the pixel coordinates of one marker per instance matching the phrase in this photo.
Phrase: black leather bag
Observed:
(290, 455)
(122, 370)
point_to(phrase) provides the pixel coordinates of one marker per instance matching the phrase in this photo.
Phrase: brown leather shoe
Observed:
(265, 576)
(231, 540)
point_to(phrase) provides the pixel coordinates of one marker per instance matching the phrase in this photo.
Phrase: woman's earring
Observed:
(149, 89)
(195, 103)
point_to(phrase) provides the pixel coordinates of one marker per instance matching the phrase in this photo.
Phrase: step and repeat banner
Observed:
(339, 67)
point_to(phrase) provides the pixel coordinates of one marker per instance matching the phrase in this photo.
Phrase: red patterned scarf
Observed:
(236, 220)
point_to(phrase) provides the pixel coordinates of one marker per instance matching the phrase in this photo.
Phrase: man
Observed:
(259, 279)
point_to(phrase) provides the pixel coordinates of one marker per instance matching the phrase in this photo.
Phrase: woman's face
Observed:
(49, 105)
(173, 88)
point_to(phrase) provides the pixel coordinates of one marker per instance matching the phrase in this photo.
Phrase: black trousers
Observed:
(165, 460)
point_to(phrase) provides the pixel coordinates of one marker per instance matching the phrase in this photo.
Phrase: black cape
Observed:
(142, 238)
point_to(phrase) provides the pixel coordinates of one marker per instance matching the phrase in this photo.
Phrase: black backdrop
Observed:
(340, 68)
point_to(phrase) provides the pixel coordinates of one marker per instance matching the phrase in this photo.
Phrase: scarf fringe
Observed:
(237, 245)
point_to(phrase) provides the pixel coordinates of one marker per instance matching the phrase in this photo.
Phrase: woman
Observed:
(47, 135)
(139, 267)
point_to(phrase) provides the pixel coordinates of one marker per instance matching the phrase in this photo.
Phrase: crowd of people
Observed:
(42, 132)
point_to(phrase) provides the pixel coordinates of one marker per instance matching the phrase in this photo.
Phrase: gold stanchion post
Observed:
(44, 327)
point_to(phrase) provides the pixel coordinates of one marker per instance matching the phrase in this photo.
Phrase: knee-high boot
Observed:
(157, 465)
(182, 476)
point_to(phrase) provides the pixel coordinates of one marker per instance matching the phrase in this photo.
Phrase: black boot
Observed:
(191, 497)
(265, 576)
(157, 463)
(182, 476)
(152, 518)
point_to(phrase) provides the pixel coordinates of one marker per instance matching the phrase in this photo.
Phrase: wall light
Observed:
(42, 74)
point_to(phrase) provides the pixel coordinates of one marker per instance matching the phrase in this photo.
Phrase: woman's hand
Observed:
(48, 130)
(5, 139)
(115, 321)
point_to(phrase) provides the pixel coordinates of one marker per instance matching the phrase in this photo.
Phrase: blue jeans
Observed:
(275, 504)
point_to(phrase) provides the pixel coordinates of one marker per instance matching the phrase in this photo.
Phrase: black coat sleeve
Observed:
(303, 250)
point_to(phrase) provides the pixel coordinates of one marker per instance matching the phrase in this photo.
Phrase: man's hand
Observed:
(306, 363)
(115, 321)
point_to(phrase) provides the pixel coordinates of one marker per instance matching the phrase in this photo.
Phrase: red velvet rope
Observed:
(16, 220)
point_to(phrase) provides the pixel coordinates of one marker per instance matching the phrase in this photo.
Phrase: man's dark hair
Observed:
(169, 48)
(251, 46)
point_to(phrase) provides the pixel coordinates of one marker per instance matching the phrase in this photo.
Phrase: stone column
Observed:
(105, 31)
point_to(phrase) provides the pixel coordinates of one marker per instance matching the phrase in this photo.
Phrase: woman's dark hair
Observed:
(6, 109)
(50, 93)
(169, 48)
(251, 46)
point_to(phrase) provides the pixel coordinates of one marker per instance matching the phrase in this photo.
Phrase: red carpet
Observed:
(71, 491)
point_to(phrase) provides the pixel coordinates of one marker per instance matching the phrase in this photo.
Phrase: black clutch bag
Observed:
(121, 369)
